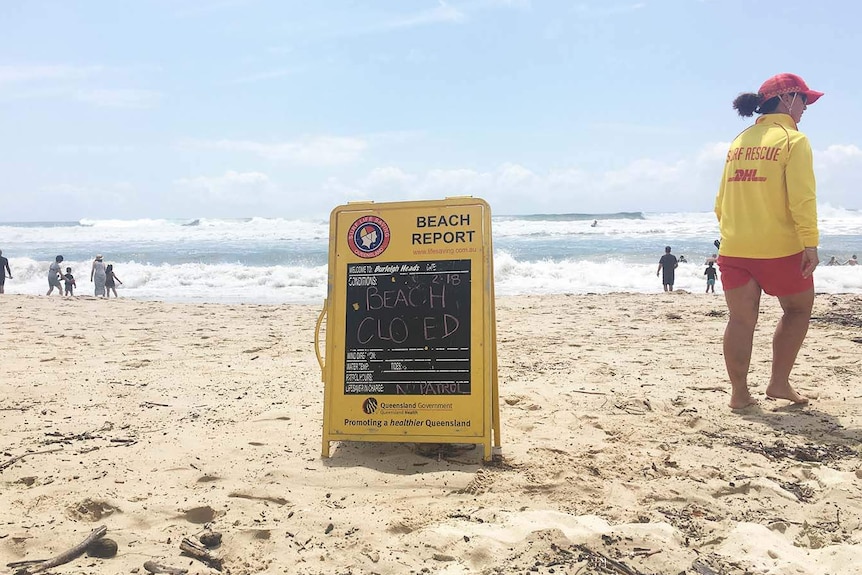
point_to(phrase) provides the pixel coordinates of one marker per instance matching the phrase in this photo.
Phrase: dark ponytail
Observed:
(769, 106)
(748, 103)
(745, 104)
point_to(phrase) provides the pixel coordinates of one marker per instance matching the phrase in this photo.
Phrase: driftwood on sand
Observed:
(17, 458)
(200, 553)
(65, 556)
(153, 567)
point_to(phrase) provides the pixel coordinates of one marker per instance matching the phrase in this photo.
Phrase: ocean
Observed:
(274, 260)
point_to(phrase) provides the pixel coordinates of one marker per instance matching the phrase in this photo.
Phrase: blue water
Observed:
(268, 260)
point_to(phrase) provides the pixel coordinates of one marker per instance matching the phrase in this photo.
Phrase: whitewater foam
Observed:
(273, 260)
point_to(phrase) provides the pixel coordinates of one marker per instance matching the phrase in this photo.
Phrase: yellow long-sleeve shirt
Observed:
(766, 204)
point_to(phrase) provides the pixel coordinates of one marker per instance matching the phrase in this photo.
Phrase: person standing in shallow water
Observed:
(111, 281)
(667, 266)
(710, 272)
(4, 270)
(767, 215)
(69, 280)
(98, 276)
(54, 275)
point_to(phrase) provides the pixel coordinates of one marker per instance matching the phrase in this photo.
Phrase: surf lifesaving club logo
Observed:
(368, 237)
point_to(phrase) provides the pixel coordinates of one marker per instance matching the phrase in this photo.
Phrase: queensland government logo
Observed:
(368, 237)
(369, 406)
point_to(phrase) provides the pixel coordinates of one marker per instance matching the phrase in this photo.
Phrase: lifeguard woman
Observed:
(767, 213)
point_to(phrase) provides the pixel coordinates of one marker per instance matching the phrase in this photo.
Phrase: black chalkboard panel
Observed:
(408, 328)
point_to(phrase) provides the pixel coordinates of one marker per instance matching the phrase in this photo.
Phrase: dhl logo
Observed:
(746, 176)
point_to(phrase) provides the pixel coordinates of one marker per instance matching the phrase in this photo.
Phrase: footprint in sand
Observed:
(90, 510)
(201, 515)
(481, 483)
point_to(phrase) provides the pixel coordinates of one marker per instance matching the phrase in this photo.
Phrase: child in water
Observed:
(710, 272)
(111, 281)
(69, 280)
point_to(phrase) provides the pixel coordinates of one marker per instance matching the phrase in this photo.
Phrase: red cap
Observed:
(787, 84)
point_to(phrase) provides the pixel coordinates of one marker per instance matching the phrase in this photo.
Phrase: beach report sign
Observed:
(410, 350)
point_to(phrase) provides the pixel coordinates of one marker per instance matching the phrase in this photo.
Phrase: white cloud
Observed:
(442, 13)
(641, 172)
(194, 8)
(268, 75)
(455, 182)
(645, 184)
(74, 82)
(69, 190)
(838, 170)
(838, 154)
(315, 151)
(383, 178)
(515, 176)
(134, 99)
(607, 9)
(232, 188)
(88, 197)
(34, 73)
(566, 179)
(713, 153)
(525, 4)
(92, 149)
(335, 191)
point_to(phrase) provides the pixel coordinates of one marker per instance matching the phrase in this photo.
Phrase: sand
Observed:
(159, 420)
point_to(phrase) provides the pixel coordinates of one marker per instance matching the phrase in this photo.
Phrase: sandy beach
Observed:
(620, 455)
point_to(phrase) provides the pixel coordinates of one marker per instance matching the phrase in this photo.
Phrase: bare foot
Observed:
(742, 401)
(777, 391)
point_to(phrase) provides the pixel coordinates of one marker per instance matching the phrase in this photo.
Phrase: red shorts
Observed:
(777, 276)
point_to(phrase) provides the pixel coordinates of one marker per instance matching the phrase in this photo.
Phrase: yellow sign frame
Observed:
(422, 364)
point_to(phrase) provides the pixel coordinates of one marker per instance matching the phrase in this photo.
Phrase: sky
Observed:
(280, 108)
